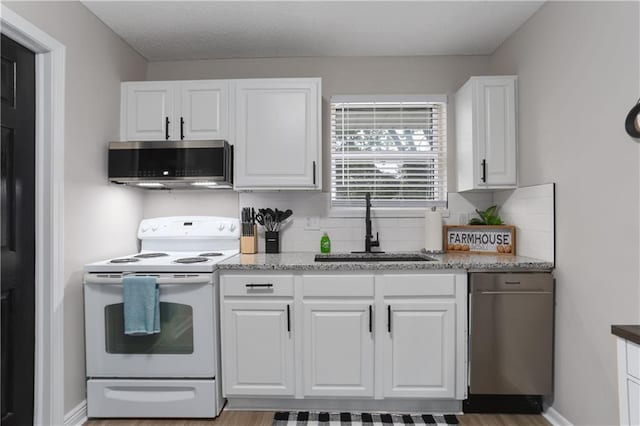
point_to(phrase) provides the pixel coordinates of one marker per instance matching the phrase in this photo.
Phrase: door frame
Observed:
(49, 273)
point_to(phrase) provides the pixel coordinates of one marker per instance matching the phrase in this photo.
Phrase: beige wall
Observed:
(577, 64)
(340, 76)
(100, 221)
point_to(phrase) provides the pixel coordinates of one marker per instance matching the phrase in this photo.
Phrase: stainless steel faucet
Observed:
(368, 238)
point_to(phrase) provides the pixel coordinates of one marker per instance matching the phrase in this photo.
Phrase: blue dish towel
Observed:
(141, 305)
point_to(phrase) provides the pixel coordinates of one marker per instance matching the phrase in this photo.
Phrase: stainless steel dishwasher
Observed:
(511, 341)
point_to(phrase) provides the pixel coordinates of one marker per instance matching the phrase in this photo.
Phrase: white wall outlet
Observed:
(312, 223)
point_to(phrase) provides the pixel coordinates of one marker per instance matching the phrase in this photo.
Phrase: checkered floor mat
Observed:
(306, 418)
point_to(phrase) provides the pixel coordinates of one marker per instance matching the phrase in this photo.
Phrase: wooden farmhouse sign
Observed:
(480, 239)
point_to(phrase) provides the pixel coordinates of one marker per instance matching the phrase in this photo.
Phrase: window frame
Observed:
(394, 211)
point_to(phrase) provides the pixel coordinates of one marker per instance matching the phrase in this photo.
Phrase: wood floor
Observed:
(265, 418)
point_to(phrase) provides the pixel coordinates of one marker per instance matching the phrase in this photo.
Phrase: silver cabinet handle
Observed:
(491, 292)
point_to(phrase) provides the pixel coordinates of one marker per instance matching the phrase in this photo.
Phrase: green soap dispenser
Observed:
(325, 244)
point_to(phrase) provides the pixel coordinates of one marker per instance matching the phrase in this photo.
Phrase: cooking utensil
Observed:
(272, 219)
(287, 214)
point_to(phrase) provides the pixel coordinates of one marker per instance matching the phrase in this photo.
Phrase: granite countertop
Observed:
(304, 261)
(628, 332)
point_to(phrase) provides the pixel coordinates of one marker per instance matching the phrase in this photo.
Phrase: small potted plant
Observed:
(489, 216)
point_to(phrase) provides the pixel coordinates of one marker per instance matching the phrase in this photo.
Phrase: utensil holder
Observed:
(272, 242)
(249, 244)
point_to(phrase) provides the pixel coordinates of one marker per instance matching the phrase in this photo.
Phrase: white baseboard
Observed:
(77, 416)
(555, 418)
(345, 404)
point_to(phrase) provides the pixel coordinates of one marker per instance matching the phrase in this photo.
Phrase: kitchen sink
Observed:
(374, 257)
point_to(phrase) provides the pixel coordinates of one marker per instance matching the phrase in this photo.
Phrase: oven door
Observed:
(183, 348)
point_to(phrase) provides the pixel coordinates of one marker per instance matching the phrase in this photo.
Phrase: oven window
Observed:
(175, 337)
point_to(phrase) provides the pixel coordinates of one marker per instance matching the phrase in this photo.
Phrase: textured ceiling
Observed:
(174, 30)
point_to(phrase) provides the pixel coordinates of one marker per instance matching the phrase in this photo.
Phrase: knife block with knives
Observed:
(249, 243)
(249, 237)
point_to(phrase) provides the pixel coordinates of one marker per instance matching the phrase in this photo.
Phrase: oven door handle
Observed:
(162, 279)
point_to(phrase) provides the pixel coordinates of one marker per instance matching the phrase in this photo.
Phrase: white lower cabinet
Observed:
(419, 349)
(338, 349)
(365, 335)
(628, 382)
(257, 348)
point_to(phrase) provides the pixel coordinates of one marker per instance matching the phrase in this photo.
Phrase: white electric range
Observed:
(174, 373)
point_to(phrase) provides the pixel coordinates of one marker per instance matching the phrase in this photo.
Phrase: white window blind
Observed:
(393, 148)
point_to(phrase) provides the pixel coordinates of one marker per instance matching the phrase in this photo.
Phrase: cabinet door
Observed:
(338, 349)
(496, 132)
(633, 395)
(277, 134)
(419, 350)
(257, 347)
(147, 111)
(204, 110)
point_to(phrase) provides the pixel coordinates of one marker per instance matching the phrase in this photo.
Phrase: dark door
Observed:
(17, 120)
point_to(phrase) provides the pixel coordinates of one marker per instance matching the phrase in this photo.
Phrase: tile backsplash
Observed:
(347, 233)
(531, 210)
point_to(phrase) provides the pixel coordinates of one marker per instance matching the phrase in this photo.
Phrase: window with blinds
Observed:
(394, 148)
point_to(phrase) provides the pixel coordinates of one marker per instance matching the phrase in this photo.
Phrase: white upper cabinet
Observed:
(175, 110)
(274, 124)
(147, 111)
(278, 134)
(486, 133)
(204, 109)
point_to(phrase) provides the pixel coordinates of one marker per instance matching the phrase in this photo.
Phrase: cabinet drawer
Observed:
(633, 359)
(151, 398)
(338, 285)
(419, 285)
(258, 285)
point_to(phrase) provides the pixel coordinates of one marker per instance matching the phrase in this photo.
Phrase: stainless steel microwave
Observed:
(172, 164)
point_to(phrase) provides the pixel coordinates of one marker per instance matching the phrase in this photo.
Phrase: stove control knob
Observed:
(221, 227)
(145, 229)
(232, 227)
(154, 228)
